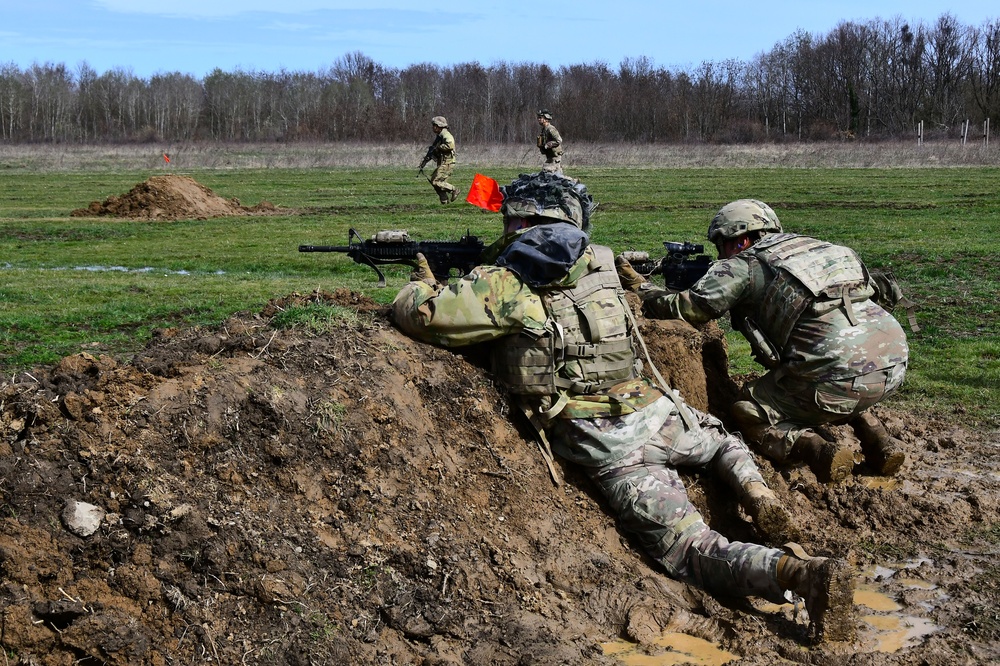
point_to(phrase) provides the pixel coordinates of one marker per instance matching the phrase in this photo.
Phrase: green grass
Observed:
(932, 226)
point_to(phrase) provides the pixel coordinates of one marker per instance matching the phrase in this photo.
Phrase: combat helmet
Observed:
(550, 196)
(544, 113)
(439, 121)
(742, 217)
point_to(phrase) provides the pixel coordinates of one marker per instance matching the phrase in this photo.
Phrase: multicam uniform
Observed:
(628, 435)
(805, 306)
(444, 156)
(550, 145)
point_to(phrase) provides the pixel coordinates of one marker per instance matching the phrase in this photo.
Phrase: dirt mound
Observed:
(265, 495)
(171, 197)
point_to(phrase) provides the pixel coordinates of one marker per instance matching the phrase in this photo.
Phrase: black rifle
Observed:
(396, 247)
(430, 153)
(683, 265)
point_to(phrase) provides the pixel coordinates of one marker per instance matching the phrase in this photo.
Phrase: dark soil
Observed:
(171, 197)
(274, 496)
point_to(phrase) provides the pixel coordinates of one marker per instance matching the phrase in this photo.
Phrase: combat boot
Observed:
(767, 512)
(453, 195)
(883, 453)
(829, 461)
(827, 587)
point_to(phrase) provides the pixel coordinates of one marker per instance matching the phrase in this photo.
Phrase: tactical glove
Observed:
(630, 279)
(422, 272)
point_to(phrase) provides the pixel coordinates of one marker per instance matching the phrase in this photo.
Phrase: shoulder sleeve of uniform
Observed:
(486, 304)
(721, 288)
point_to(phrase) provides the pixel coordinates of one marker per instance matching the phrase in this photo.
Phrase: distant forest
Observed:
(874, 80)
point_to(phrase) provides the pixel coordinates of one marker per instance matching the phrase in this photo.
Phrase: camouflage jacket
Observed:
(444, 148)
(821, 346)
(549, 142)
(492, 302)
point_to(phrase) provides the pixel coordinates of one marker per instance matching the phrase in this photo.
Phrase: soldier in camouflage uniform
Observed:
(442, 151)
(549, 143)
(562, 341)
(807, 309)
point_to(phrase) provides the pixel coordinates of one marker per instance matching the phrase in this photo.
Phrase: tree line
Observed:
(865, 80)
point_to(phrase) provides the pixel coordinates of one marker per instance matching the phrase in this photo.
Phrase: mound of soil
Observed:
(253, 495)
(171, 197)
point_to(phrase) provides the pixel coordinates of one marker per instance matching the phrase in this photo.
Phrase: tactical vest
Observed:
(810, 276)
(586, 344)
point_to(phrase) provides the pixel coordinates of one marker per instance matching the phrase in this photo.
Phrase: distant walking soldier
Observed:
(549, 143)
(442, 151)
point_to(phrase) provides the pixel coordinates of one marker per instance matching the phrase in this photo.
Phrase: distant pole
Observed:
(986, 133)
(920, 133)
(965, 131)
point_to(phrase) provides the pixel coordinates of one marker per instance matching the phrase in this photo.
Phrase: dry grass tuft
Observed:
(359, 155)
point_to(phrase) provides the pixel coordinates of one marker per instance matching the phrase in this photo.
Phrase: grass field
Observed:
(102, 285)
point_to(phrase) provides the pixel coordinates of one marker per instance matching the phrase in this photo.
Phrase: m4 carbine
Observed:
(682, 266)
(395, 246)
(430, 153)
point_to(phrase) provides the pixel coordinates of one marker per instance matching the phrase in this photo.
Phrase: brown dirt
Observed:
(171, 197)
(275, 496)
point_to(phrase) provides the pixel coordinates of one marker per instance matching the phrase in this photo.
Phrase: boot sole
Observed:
(893, 463)
(774, 522)
(837, 623)
(841, 466)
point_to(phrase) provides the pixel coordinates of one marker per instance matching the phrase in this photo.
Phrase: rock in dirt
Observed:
(82, 518)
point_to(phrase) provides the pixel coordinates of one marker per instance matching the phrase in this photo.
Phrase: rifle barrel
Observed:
(325, 248)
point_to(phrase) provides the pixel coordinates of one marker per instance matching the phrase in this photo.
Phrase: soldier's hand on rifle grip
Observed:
(422, 272)
(630, 279)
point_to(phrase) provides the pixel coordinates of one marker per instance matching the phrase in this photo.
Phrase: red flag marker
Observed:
(166, 158)
(485, 193)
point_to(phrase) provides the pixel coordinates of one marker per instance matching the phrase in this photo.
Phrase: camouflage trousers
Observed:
(553, 164)
(650, 502)
(777, 408)
(439, 180)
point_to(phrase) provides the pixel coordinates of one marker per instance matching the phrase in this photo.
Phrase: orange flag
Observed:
(485, 193)
(166, 158)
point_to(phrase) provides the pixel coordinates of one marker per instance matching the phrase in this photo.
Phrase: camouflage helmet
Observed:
(439, 121)
(549, 196)
(544, 113)
(742, 217)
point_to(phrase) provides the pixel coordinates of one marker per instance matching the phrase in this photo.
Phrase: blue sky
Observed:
(196, 36)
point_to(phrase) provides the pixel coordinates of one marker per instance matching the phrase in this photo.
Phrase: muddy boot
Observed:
(768, 513)
(883, 453)
(829, 461)
(827, 587)
(453, 195)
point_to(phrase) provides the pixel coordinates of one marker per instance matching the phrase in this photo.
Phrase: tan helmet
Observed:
(544, 113)
(742, 217)
(439, 121)
(550, 197)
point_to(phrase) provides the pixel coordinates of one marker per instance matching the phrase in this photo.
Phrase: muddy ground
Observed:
(255, 494)
(273, 496)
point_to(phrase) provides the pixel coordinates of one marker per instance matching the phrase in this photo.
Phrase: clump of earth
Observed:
(171, 197)
(254, 494)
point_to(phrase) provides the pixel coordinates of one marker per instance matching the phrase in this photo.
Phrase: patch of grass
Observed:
(318, 318)
(886, 551)
(982, 621)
